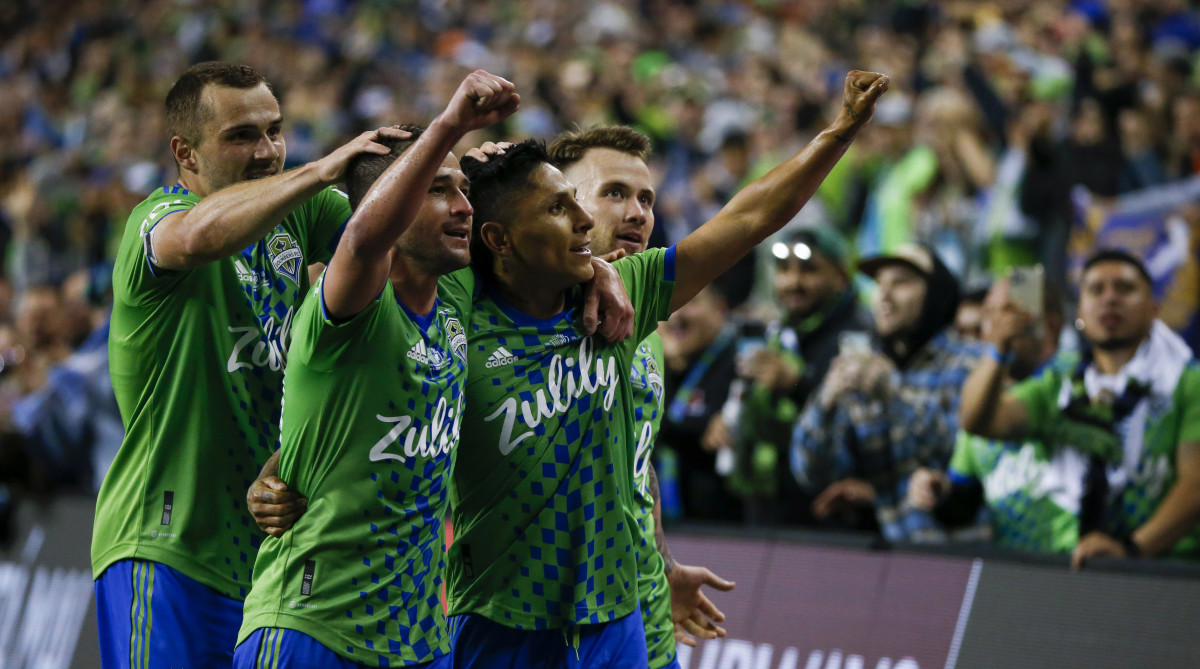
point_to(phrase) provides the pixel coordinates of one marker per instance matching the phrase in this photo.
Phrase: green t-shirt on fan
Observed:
(543, 493)
(371, 418)
(1152, 474)
(197, 359)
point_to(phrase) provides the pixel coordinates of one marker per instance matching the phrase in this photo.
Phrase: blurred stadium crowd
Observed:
(1012, 132)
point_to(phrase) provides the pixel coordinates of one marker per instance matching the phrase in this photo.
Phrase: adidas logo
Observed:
(499, 358)
(432, 357)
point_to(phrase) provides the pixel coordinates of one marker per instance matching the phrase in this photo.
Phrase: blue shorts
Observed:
(276, 648)
(153, 617)
(479, 643)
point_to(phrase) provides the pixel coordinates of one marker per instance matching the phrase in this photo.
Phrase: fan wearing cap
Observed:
(818, 303)
(1122, 427)
(888, 406)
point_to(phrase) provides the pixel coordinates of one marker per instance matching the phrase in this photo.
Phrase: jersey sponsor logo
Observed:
(567, 379)
(264, 346)
(499, 358)
(426, 355)
(456, 334)
(285, 256)
(436, 437)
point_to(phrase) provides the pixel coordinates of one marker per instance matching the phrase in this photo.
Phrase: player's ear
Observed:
(496, 238)
(184, 155)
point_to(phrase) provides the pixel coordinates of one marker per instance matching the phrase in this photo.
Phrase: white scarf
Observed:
(1158, 363)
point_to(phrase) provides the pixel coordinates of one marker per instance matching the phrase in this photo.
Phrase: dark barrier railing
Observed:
(804, 600)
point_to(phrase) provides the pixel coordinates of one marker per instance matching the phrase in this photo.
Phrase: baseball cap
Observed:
(913, 256)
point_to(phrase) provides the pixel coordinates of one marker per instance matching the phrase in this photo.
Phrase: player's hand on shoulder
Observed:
(274, 506)
(481, 100)
(607, 308)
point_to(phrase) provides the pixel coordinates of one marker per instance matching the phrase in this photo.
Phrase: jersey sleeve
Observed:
(136, 280)
(1187, 397)
(329, 211)
(649, 278)
(323, 344)
(962, 461)
(1039, 396)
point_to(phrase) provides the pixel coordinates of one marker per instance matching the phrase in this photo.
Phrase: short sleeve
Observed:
(323, 344)
(962, 461)
(136, 281)
(649, 278)
(329, 211)
(1187, 398)
(1039, 396)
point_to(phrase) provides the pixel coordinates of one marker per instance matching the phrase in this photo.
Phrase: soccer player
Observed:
(205, 284)
(372, 413)
(542, 572)
(608, 167)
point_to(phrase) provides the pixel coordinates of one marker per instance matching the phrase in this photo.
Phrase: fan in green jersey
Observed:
(1121, 432)
(543, 570)
(205, 285)
(608, 167)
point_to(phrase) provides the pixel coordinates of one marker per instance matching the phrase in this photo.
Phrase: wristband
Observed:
(1003, 359)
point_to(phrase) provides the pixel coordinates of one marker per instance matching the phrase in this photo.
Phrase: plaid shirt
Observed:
(884, 440)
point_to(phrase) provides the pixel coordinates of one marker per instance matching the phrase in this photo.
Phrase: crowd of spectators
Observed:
(800, 392)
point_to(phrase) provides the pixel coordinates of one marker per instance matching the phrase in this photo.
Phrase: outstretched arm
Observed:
(767, 204)
(225, 222)
(361, 263)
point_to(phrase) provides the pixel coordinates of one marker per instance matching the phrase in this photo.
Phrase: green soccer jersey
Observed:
(1149, 468)
(542, 498)
(371, 415)
(653, 590)
(1032, 497)
(197, 359)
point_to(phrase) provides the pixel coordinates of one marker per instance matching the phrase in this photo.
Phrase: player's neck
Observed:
(415, 288)
(192, 183)
(533, 296)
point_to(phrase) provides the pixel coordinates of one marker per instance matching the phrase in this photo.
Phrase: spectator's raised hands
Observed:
(867, 372)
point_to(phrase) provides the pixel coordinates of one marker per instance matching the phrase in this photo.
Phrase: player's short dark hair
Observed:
(570, 145)
(186, 111)
(1118, 255)
(496, 185)
(365, 169)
